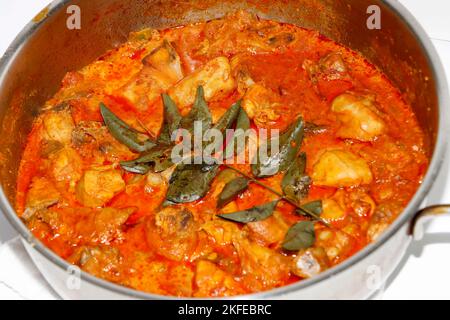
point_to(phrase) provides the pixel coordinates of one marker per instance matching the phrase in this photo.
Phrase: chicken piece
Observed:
(241, 74)
(89, 133)
(148, 275)
(310, 262)
(269, 231)
(67, 166)
(108, 221)
(166, 60)
(58, 126)
(215, 77)
(99, 185)
(223, 232)
(211, 281)
(50, 147)
(161, 277)
(161, 70)
(362, 204)
(262, 267)
(41, 195)
(261, 105)
(359, 117)
(333, 66)
(173, 233)
(102, 262)
(340, 168)
(382, 218)
(329, 76)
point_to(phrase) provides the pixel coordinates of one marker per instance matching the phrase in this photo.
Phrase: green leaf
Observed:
(300, 236)
(199, 112)
(314, 207)
(231, 190)
(191, 182)
(123, 132)
(229, 117)
(133, 167)
(295, 183)
(242, 125)
(157, 158)
(254, 214)
(289, 145)
(172, 119)
(243, 121)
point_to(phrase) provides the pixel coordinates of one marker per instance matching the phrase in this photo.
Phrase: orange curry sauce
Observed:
(366, 161)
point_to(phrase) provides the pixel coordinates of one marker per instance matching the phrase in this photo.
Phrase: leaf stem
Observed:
(279, 194)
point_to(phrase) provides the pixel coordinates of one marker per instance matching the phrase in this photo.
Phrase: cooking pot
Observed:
(52, 44)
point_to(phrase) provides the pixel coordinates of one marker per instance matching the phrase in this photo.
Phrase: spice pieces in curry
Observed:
(100, 186)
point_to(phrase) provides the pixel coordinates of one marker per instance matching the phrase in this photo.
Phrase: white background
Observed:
(425, 272)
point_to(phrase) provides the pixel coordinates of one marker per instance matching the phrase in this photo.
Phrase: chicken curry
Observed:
(98, 187)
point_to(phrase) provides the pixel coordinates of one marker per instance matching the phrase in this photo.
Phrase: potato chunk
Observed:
(214, 282)
(58, 126)
(261, 105)
(339, 168)
(99, 185)
(215, 77)
(358, 116)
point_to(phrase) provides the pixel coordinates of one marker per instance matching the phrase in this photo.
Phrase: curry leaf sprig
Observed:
(191, 181)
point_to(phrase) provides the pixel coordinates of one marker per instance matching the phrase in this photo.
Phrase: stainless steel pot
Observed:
(32, 68)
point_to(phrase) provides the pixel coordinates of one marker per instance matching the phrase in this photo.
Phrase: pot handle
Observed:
(425, 215)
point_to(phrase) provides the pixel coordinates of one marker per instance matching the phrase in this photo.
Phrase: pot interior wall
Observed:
(40, 62)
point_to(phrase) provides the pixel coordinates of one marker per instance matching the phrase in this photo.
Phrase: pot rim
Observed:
(436, 162)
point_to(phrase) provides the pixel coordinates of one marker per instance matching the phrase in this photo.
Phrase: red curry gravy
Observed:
(365, 161)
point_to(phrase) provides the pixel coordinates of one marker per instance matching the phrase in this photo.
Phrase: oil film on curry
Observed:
(99, 185)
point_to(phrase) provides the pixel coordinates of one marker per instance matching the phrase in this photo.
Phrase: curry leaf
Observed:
(295, 183)
(289, 144)
(231, 190)
(158, 158)
(243, 121)
(199, 112)
(314, 207)
(191, 182)
(133, 167)
(229, 117)
(242, 125)
(124, 133)
(172, 119)
(300, 236)
(254, 214)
